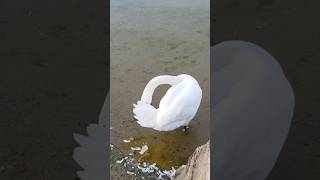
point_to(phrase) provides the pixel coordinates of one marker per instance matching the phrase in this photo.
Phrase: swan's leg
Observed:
(185, 128)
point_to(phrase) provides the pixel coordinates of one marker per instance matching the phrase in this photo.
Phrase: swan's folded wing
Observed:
(179, 112)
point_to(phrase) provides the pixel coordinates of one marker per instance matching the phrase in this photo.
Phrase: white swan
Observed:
(177, 107)
(253, 106)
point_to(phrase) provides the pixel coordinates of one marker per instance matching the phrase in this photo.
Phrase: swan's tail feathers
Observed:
(145, 114)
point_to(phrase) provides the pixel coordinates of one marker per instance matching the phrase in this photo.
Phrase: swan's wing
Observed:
(170, 96)
(178, 106)
(187, 92)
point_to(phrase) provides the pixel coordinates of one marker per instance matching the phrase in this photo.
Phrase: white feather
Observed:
(177, 108)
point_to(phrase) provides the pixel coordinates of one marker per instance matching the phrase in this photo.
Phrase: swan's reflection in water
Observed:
(166, 149)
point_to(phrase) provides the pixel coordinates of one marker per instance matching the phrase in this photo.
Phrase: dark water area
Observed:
(53, 76)
(289, 30)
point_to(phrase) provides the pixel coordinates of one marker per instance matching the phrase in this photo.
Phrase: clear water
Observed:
(150, 38)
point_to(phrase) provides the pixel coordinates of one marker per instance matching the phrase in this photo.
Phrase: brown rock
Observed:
(198, 166)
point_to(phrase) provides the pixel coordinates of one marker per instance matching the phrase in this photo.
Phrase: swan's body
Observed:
(252, 111)
(177, 107)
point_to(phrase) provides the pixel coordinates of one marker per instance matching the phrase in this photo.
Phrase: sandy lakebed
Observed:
(147, 40)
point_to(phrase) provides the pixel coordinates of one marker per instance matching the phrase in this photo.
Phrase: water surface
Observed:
(150, 38)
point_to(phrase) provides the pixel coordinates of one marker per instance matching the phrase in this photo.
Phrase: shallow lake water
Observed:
(150, 38)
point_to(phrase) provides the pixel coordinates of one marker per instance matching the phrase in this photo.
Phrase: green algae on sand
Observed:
(166, 149)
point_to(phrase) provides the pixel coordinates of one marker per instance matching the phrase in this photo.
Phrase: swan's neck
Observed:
(154, 83)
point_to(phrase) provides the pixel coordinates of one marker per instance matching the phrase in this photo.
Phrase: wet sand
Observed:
(147, 40)
(289, 30)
